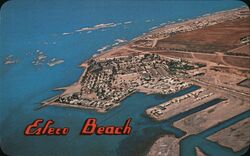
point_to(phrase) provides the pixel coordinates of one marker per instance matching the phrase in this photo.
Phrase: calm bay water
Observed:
(28, 26)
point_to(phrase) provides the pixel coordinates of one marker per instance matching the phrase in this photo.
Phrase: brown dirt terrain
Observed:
(225, 51)
(237, 61)
(234, 134)
(243, 50)
(174, 54)
(218, 58)
(209, 117)
(208, 57)
(217, 38)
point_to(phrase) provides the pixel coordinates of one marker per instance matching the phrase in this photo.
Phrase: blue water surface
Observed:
(28, 26)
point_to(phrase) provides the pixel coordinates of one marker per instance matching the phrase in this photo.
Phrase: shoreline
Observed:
(176, 24)
(185, 22)
(86, 64)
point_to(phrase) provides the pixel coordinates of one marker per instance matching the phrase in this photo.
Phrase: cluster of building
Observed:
(204, 96)
(167, 85)
(195, 96)
(99, 105)
(107, 82)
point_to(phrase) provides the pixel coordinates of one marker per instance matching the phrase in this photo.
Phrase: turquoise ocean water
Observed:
(29, 26)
